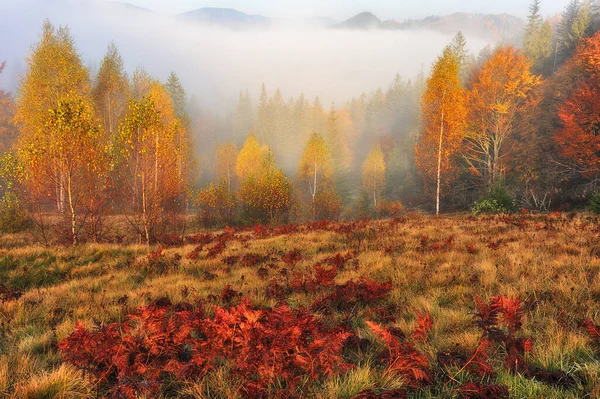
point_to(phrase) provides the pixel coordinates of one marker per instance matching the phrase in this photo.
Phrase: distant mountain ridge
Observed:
(227, 17)
(493, 27)
(362, 21)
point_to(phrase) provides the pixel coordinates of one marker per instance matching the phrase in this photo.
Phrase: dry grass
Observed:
(551, 262)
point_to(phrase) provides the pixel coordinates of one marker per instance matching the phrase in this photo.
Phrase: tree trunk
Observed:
(314, 193)
(72, 209)
(156, 164)
(439, 167)
(145, 211)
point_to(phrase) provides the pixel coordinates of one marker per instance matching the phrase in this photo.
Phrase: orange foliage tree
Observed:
(579, 135)
(500, 94)
(444, 113)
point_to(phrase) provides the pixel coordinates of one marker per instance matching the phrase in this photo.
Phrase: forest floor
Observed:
(418, 307)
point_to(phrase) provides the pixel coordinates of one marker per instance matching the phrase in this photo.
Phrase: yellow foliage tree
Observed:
(111, 91)
(227, 156)
(149, 154)
(250, 159)
(373, 173)
(54, 73)
(315, 166)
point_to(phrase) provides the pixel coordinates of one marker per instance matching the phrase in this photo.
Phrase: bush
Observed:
(497, 200)
(390, 209)
(268, 198)
(595, 203)
(13, 218)
(488, 206)
(217, 205)
(328, 205)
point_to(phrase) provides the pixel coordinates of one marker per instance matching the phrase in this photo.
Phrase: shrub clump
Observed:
(595, 203)
(497, 200)
(13, 217)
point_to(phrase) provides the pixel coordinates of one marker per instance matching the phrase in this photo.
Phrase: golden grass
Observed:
(555, 270)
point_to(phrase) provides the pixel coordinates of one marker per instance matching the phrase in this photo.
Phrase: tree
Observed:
(227, 156)
(339, 134)
(575, 22)
(111, 91)
(264, 115)
(80, 161)
(459, 47)
(443, 113)
(54, 73)
(500, 93)
(8, 131)
(267, 197)
(537, 41)
(250, 159)
(149, 154)
(178, 96)
(183, 141)
(243, 119)
(579, 112)
(373, 173)
(315, 167)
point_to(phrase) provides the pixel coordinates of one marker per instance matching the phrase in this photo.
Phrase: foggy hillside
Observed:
(215, 62)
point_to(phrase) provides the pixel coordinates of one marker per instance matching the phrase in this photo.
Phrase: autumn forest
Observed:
(433, 238)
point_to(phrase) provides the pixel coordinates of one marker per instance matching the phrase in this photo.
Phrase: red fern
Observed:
(424, 325)
(403, 357)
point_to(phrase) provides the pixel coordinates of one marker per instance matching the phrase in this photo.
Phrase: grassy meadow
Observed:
(436, 266)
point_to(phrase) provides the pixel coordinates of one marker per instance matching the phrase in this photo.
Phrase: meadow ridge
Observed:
(419, 307)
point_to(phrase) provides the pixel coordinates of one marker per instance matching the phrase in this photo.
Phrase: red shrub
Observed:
(164, 343)
(347, 297)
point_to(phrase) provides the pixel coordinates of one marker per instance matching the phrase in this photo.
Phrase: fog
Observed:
(215, 63)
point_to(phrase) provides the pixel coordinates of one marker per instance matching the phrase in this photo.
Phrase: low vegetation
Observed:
(490, 306)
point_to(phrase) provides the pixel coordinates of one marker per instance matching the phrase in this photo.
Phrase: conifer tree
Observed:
(537, 41)
(243, 120)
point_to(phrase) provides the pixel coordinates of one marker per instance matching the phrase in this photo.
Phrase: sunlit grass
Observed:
(553, 270)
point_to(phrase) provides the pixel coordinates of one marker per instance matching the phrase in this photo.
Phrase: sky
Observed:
(342, 9)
